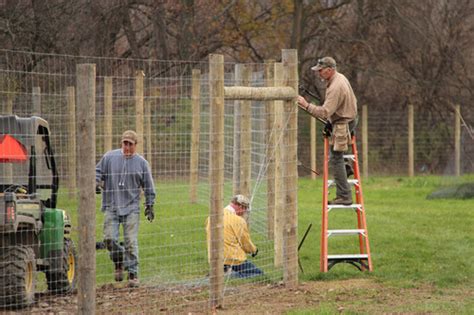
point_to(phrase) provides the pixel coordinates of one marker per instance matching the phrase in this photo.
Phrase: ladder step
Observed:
(349, 256)
(346, 232)
(352, 206)
(354, 182)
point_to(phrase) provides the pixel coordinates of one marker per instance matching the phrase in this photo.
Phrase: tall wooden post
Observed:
(147, 136)
(85, 82)
(365, 142)
(36, 101)
(108, 114)
(196, 127)
(242, 135)
(246, 136)
(139, 78)
(216, 173)
(290, 273)
(411, 135)
(71, 143)
(236, 163)
(313, 147)
(270, 140)
(457, 140)
(280, 150)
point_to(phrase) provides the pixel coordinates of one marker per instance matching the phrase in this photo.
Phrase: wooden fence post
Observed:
(270, 154)
(279, 175)
(85, 82)
(411, 136)
(365, 142)
(108, 118)
(457, 140)
(313, 152)
(236, 163)
(290, 273)
(7, 167)
(216, 173)
(36, 101)
(71, 143)
(196, 127)
(139, 78)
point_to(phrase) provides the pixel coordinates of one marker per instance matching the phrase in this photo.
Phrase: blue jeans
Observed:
(124, 254)
(244, 270)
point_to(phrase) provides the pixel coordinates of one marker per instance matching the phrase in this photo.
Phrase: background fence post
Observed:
(411, 137)
(270, 154)
(7, 167)
(313, 152)
(365, 142)
(196, 127)
(71, 143)
(139, 76)
(216, 173)
(108, 86)
(457, 140)
(279, 176)
(236, 163)
(36, 101)
(86, 76)
(290, 273)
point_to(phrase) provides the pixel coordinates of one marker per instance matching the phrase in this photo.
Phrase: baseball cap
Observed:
(325, 62)
(241, 200)
(130, 136)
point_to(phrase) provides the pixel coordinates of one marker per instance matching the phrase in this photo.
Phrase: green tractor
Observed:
(34, 234)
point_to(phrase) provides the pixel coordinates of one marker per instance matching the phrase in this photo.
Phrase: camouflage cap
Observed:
(325, 62)
(241, 200)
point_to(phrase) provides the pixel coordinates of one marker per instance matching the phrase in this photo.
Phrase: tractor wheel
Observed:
(62, 273)
(17, 277)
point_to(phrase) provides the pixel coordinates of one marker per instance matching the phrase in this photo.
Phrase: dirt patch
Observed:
(359, 295)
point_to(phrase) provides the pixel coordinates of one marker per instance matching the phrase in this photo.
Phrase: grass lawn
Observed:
(415, 243)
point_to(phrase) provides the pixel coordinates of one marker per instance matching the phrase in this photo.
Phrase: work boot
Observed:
(340, 201)
(133, 281)
(118, 273)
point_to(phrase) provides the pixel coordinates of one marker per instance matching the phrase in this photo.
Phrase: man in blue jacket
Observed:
(121, 174)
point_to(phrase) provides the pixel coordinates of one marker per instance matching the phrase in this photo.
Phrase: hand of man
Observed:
(302, 102)
(98, 189)
(327, 129)
(149, 213)
(255, 254)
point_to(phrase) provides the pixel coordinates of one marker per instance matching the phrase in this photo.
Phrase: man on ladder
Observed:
(340, 109)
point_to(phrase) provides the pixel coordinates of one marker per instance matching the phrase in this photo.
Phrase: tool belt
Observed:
(340, 137)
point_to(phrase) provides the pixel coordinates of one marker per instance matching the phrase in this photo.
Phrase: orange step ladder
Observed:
(361, 260)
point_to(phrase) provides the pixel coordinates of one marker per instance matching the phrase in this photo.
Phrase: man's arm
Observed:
(148, 186)
(313, 110)
(245, 240)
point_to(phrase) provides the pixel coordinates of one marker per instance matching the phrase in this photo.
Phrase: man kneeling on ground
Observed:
(237, 242)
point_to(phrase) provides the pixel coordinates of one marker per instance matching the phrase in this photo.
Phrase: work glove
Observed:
(255, 254)
(149, 213)
(98, 189)
(327, 129)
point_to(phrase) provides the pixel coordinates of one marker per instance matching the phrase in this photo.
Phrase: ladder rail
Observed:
(324, 223)
(361, 220)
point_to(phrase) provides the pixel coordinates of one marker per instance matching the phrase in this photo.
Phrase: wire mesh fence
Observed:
(155, 98)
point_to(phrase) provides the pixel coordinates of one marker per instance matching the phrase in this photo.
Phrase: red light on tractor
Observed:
(10, 213)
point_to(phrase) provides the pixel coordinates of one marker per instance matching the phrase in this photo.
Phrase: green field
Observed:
(415, 242)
